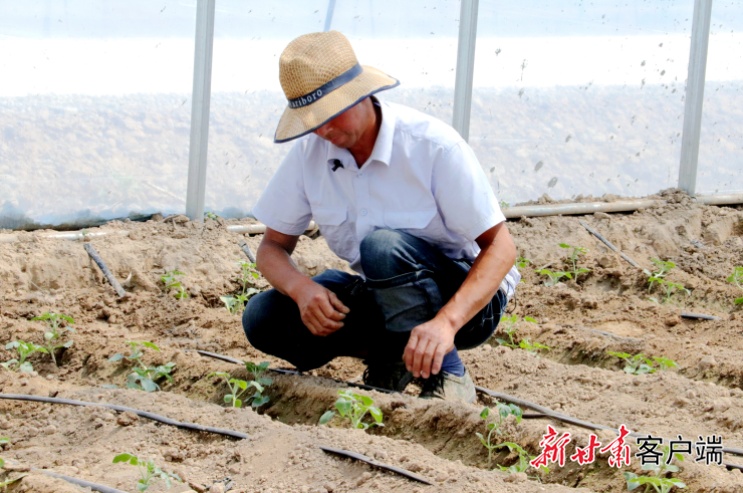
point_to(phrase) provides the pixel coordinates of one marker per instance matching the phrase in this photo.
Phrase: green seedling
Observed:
(532, 347)
(554, 277)
(4, 484)
(242, 391)
(662, 267)
(149, 472)
(354, 407)
(3, 442)
(25, 349)
(669, 289)
(494, 427)
(171, 282)
(575, 254)
(509, 326)
(524, 458)
(258, 371)
(53, 336)
(659, 481)
(211, 215)
(736, 278)
(657, 278)
(522, 262)
(248, 273)
(144, 377)
(639, 364)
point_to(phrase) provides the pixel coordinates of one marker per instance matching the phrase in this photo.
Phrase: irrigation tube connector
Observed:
(144, 414)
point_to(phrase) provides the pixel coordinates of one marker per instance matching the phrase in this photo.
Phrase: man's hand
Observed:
(321, 310)
(427, 346)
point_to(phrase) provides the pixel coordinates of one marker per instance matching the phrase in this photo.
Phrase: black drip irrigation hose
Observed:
(375, 463)
(144, 414)
(79, 482)
(545, 412)
(284, 371)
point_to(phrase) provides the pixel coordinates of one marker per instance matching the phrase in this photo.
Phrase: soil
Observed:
(609, 308)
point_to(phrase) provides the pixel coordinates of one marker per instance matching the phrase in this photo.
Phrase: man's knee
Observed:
(254, 318)
(386, 253)
(377, 243)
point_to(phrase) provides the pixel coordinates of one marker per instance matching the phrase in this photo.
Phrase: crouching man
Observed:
(400, 196)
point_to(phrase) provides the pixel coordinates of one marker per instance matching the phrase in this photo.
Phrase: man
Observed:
(401, 197)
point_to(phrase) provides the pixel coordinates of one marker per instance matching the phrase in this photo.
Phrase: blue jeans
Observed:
(407, 282)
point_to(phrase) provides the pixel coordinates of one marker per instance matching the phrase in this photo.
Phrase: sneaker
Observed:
(386, 375)
(449, 387)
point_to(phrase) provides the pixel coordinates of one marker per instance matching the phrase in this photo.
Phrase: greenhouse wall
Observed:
(569, 99)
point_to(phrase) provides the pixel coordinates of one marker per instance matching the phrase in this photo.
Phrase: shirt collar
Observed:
(382, 151)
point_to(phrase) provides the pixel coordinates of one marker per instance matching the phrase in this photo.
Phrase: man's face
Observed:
(346, 129)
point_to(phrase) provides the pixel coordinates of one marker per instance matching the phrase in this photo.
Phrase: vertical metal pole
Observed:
(694, 96)
(465, 67)
(202, 85)
(329, 15)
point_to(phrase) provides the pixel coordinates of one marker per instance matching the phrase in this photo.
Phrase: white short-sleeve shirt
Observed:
(421, 178)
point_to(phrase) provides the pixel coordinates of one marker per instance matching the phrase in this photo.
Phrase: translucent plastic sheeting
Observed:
(721, 144)
(416, 42)
(580, 98)
(95, 107)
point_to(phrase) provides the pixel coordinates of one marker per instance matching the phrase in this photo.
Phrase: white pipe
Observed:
(729, 199)
(583, 208)
(252, 229)
(510, 213)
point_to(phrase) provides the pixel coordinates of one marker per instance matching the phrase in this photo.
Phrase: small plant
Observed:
(532, 347)
(4, 484)
(149, 472)
(144, 377)
(670, 288)
(524, 458)
(171, 282)
(258, 371)
(239, 389)
(736, 278)
(657, 278)
(554, 276)
(575, 253)
(354, 407)
(504, 410)
(639, 364)
(3, 441)
(509, 326)
(522, 262)
(25, 349)
(248, 273)
(659, 481)
(53, 336)
(662, 267)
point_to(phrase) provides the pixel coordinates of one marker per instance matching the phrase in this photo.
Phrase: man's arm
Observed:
(430, 341)
(321, 310)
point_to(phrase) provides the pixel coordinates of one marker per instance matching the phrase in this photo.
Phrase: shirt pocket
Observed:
(409, 219)
(329, 216)
(338, 232)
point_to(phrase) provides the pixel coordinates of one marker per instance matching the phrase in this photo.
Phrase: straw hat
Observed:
(321, 79)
